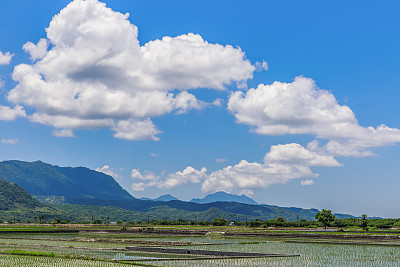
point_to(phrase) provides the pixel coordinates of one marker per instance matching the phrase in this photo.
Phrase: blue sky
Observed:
(179, 108)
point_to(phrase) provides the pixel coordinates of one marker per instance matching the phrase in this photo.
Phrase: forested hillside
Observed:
(42, 179)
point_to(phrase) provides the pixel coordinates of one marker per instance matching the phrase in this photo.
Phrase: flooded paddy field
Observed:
(104, 248)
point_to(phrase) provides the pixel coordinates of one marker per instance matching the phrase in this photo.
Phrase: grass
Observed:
(29, 253)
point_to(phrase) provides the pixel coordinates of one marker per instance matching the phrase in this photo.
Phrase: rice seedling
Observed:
(29, 261)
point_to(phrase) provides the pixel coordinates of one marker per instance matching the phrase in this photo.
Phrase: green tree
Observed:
(325, 217)
(364, 222)
(219, 222)
(56, 221)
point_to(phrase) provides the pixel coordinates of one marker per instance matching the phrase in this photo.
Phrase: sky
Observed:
(293, 103)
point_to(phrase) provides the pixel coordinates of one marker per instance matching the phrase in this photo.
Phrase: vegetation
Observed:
(210, 211)
(105, 248)
(18, 206)
(364, 222)
(41, 179)
(28, 253)
(13, 197)
(325, 217)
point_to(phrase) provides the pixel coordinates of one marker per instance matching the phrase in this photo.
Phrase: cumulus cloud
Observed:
(188, 175)
(109, 171)
(5, 58)
(250, 175)
(297, 154)
(136, 130)
(281, 164)
(9, 114)
(91, 72)
(148, 179)
(10, 141)
(146, 176)
(301, 107)
(37, 51)
(307, 182)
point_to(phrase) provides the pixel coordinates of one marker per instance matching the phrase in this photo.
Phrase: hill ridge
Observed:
(224, 197)
(43, 179)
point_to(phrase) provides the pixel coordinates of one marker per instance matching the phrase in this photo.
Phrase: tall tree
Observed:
(364, 222)
(325, 217)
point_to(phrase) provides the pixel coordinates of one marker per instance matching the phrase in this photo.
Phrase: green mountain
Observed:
(41, 179)
(225, 197)
(17, 205)
(233, 210)
(13, 197)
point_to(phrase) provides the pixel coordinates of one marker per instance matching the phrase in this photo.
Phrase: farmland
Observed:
(87, 245)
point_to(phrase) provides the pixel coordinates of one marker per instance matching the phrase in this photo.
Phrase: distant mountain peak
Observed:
(166, 197)
(224, 197)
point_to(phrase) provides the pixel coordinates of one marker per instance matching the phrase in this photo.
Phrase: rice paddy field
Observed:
(112, 249)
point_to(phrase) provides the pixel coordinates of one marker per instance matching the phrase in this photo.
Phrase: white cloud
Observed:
(37, 51)
(5, 58)
(188, 175)
(218, 102)
(109, 171)
(10, 114)
(307, 182)
(91, 72)
(149, 179)
(146, 176)
(10, 141)
(250, 175)
(154, 154)
(260, 66)
(185, 101)
(141, 186)
(1, 83)
(221, 160)
(64, 133)
(301, 107)
(296, 154)
(136, 130)
(61, 121)
(282, 164)
(188, 61)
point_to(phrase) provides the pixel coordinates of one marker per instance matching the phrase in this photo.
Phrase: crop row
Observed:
(29, 261)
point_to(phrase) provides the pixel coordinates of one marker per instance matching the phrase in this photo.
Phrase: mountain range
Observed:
(215, 197)
(222, 196)
(164, 198)
(80, 193)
